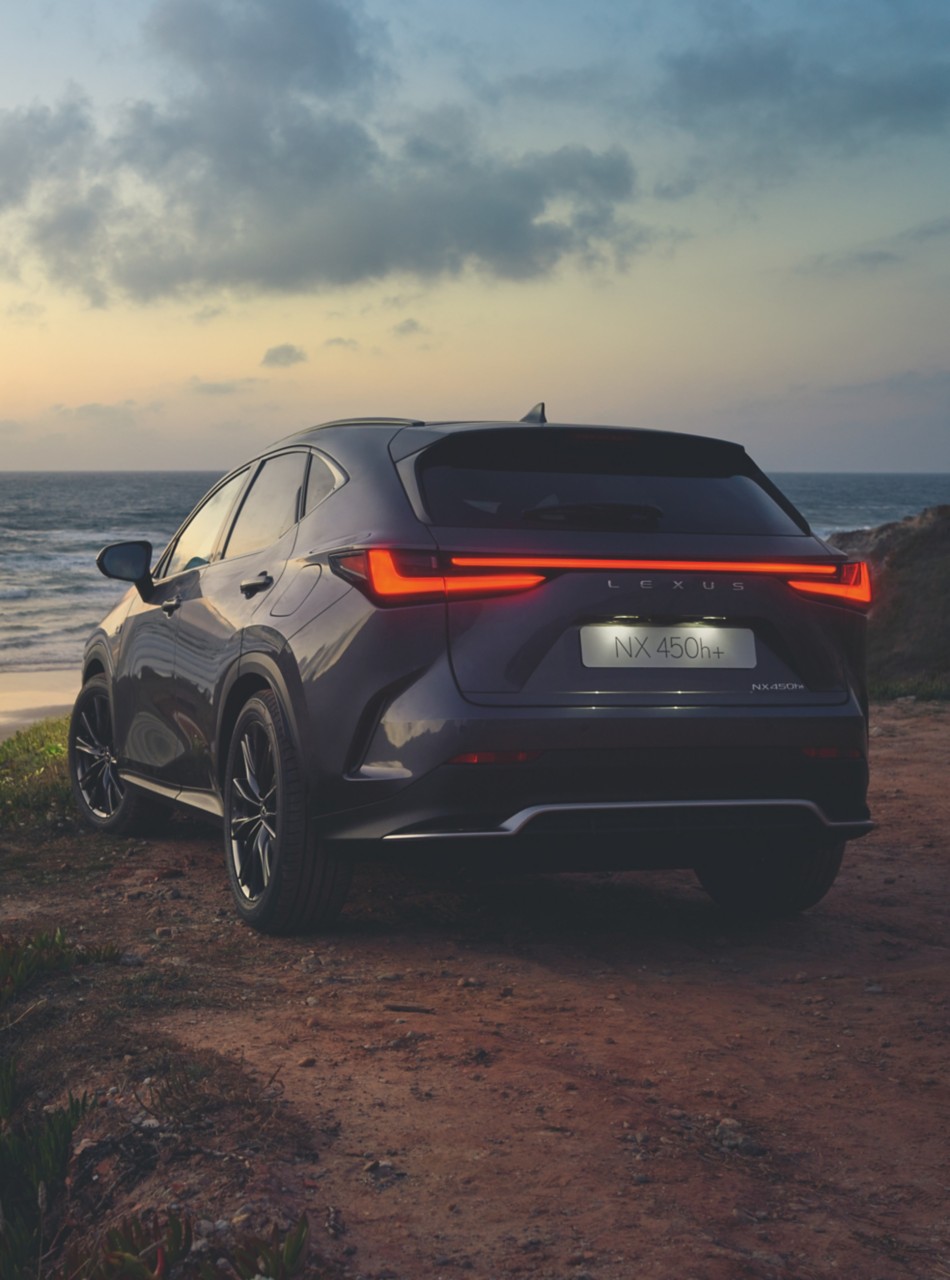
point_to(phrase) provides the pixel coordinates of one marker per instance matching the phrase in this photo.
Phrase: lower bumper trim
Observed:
(746, 809)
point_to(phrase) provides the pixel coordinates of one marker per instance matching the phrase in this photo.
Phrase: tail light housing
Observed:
(410, 577)
(405, 577)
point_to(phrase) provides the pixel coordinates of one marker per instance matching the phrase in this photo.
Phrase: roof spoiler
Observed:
(536, 414)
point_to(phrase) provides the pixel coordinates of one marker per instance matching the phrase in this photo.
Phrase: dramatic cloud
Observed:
(283, 356)
(274, 169)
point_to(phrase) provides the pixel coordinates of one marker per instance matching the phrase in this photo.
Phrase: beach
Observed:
(28, 696)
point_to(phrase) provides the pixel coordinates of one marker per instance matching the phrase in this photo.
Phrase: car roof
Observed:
(416, 433)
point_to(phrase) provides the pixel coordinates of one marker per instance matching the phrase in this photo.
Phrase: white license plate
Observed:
(615, 645)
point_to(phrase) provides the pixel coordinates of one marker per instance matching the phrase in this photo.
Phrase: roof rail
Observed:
(382, 418)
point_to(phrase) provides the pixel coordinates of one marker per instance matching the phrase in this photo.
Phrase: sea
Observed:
(53, 523)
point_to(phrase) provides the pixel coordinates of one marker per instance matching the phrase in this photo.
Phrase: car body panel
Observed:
(384, 700)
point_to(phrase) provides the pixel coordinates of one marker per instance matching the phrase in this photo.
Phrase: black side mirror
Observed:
(129, 562)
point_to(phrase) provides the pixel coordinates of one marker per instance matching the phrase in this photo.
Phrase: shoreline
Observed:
(29, 696)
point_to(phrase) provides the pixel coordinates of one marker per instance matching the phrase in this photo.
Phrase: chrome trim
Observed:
(206, 801)
(515, 824)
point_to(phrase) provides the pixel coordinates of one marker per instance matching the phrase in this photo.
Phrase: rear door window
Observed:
(536, 479)
(271, 507)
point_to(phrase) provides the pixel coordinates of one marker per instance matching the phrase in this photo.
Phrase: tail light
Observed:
(407, 577)
(851, 585)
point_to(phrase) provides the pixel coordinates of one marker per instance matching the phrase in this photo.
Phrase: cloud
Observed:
(25, 312)
(887, 252)
(229, 387)
(204, 315)
(42, 143)
(283, 356)
(772, 97)
(313, 46)
(349, 344)
(406, 328)
(277, 165)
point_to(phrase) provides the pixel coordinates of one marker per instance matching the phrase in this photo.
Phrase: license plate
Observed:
(614, 645)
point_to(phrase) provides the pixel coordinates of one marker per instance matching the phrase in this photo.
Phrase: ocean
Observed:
(52, 524)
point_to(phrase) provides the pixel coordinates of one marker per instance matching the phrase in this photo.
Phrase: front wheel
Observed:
(102, 798)
(772, 882)
(282, 879)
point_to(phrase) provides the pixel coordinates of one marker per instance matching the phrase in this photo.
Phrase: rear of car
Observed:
(649, 660)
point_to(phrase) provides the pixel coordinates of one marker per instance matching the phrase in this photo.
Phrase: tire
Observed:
(282, 879)
(104, 801)
(773, 883)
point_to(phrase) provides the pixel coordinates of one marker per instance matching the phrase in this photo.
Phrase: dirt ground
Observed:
(565, 1077)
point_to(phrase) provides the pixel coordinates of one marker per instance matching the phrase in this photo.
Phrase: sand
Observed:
(28, 696)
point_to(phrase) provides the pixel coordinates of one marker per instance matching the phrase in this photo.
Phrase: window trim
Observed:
(160, 574)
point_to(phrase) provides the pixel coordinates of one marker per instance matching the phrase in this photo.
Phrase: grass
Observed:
(34, 778)
(927, 689)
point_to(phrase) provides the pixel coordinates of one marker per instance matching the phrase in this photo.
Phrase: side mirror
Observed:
(129, 562)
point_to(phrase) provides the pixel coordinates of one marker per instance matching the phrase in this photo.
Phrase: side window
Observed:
(320, 483)
(197, 541)
(270, 508)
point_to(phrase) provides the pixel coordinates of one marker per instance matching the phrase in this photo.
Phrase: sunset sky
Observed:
(224, 220)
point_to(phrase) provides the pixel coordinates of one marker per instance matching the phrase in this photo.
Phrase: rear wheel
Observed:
(282, 879)
(103, 799)
(778, 882)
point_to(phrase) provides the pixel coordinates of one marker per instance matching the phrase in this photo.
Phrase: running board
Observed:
(206, 801)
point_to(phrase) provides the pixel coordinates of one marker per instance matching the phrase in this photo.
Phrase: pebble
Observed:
(307, 1062)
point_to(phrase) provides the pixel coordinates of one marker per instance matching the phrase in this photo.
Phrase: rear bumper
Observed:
(663, 776)
(640, 817)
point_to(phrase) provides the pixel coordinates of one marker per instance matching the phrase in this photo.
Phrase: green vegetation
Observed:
(34, 779)
(35, 1145)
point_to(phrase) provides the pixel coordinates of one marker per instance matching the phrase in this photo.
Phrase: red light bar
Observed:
(853, 585)
(379, 574)
(672, 566)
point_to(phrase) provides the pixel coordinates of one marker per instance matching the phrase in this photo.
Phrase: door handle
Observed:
(169, 606)
(251, 586)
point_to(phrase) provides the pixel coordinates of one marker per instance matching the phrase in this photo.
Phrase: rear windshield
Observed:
(617, 482)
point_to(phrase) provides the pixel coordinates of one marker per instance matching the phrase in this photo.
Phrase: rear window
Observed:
(613, 481)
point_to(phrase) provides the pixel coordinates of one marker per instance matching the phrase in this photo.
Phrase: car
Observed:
(517, 645)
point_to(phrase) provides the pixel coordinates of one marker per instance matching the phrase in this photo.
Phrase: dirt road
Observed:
(564, 1077)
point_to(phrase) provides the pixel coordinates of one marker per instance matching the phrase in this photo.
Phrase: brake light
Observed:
(852, 584)
(672, 566)
(392, 577)
(848, 583)
(406, 577)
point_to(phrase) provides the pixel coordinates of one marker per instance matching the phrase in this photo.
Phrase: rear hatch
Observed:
(662, 569)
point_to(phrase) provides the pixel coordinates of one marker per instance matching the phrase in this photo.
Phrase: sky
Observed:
(222, 221)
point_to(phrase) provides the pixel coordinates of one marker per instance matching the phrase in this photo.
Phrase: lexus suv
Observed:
(524, 645)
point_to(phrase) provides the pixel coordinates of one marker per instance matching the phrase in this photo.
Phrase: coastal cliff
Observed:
(909, 631)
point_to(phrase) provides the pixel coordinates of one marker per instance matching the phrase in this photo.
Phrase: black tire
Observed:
(104, 801)
(282, 878)
(777, 882)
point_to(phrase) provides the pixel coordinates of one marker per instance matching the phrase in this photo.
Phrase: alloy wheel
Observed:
(97, 773)
(253, 811)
